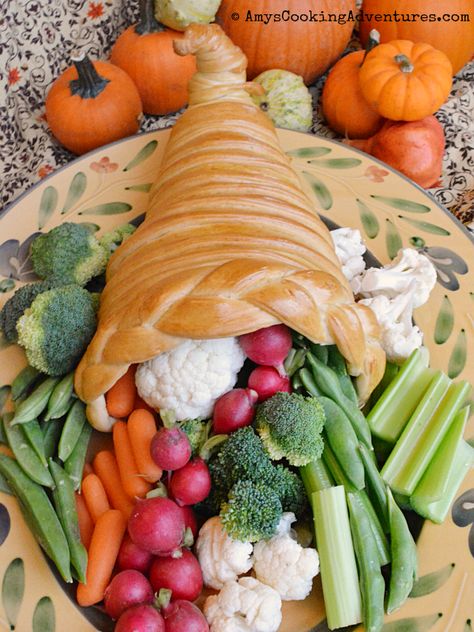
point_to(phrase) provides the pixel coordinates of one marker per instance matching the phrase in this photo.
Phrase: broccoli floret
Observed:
(56, 329)
(69, 253)
(197, 431)
(16, 306)
(290, 427)
(252, 512)
(291, 491)
(114, 238)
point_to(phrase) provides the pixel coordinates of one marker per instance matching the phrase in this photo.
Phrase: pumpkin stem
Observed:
(148, 23)
(373, 41)
(404, 63)
(89, 84)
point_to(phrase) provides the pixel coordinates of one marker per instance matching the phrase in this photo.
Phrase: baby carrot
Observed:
(120, 399)
(86, 526)
(106, 468)
(103, 551)
(132, 482)
(141, 428)
(95, 496)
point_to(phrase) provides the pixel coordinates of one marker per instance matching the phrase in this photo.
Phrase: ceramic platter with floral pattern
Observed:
(110, 186)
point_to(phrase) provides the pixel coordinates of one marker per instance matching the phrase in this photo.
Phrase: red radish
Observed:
(128, 588)
(142, 618)
(184, 616)
(192, 483)
(157, 525)
(182, 575)
(233, 410)
(190, 520)
(266, 381)
(268, 346)
(133, 557)
(170, 448)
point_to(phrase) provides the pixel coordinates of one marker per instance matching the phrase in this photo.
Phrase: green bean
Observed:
(377, 531)
(27, 458)
(372, 584)
(60, 401)
(404, 558)
(75, 420)
(308, 382)
(337, 363)
(34, 434)
(31, 407)
(24, 381)
(376, 487)
(39, 514)
(336, 471)
(65, 505)
(343, 441)
(51, 433)
(74, 464)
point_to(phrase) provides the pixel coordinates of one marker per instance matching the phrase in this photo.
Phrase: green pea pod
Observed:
(74, 464)
(32, 407)
(60, 401)
(51, 432)
(306, 378)
(39, 514)
(65, 505)
(378, 533)
(337, 363)
(27, 458)
(343, 441)
(376, 487)
(75, 420)
(34, 434)
(24, 381)
(404, 558)
(336, 471)
(320, 352)
(372, 585)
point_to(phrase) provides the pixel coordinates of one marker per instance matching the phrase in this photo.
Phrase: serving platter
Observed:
(109, 187)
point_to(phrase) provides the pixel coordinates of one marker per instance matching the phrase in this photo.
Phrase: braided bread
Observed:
(231, 242)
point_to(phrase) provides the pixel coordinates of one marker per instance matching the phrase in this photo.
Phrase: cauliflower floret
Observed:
(349, 250)
(222, 559)
(244, 606)
(191, 377)
(283, 564)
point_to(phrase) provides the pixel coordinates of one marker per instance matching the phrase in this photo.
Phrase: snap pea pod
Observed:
(404, 558)
(296, 382)
(377, 531)
(39, 514)
(24, 381)
(306, 378)
(60, 400)
(376, 487)
(75, 420)
(32, 407)
(335, 469)
(51, 432)
(65, 505)
(337, 363)
(294, 361)
(27, 458)
(320, 352)
(372, 584)
(343, 441)
(32, 431)
(74, 464)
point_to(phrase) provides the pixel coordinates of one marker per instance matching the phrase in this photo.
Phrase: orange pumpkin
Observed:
(145, 52)
(306, 48)
(455, 37)
(92, 104)
(404, 81)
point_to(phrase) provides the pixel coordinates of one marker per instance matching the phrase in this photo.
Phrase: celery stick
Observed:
(423, 434)
(315, 476)
(395, 406)
(339, 578)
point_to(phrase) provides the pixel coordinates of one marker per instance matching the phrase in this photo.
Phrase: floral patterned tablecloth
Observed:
(37, 38)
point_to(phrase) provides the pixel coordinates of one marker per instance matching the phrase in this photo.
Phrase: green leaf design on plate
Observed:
(471, 441)
(6, 285)
(44, 618)
(426, 226)
(468, 626)
(142, 155)
(48, 203)
(76, 189)
(142, 188)
(413, 624)
(4, 393)
(109, 208)
(320, 190)
(93, 228)
(13, 589)
(402, 205)
(431, 582)
(4, 343)
(5, 523)
(393, 240)
(444, 322)
(457, 361)
(309, 152)
(337, 163)
(369, 220)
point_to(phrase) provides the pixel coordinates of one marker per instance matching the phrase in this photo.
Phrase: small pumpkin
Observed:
(344, 106)
(405, 81)
(145, 52)
(92, 104)
(178, 14)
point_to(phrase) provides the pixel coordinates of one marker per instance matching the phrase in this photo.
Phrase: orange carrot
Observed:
(88, 469)
(86, 526)
(132, 482)
(141, 403)
(141, 428)
(121, 397)
(95, 496)
(102, 555)
(106, 468)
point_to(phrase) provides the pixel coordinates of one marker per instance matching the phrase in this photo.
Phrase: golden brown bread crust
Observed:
(230, 243)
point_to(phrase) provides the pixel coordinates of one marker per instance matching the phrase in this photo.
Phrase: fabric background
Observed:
(37, 38)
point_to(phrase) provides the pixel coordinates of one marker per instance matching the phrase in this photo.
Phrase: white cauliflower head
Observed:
(191, 377)
(244, 606)
(285, 565)
(349, 250)
(222, 559)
